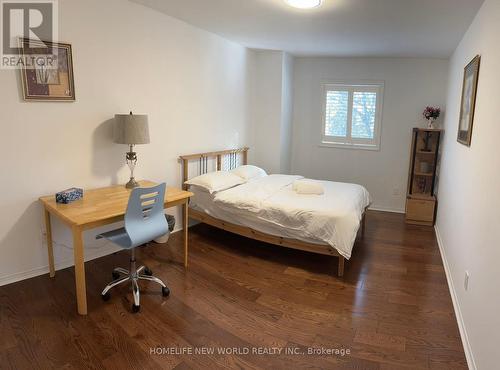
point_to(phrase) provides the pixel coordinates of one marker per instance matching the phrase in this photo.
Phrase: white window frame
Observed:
(348, 142)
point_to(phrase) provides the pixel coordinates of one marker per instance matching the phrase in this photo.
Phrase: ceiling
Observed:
(377, 28)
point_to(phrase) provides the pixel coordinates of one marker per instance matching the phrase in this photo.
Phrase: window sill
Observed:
(326, 144)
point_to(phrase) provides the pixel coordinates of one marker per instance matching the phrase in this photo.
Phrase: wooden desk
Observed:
(97, 208)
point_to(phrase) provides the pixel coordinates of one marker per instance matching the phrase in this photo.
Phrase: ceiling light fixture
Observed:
(304, 4)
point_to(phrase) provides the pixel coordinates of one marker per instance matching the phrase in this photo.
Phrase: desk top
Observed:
(104, 205)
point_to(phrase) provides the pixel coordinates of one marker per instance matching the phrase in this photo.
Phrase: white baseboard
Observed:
(456, 306)
(385, 209)
(90, 254)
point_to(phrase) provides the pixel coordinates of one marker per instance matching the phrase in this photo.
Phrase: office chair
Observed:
(144, 222)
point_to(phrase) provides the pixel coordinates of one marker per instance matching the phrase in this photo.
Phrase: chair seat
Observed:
(118, 236)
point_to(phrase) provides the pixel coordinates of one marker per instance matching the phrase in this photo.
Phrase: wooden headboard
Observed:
(224, 159)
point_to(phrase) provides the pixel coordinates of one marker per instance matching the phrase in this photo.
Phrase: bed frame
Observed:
(229, 159)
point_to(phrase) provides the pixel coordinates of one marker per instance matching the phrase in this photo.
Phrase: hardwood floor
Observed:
(392, 309)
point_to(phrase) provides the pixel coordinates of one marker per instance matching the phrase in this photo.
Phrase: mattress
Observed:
(270, 205)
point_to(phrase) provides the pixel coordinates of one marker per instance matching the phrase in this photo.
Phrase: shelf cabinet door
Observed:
(420, 210)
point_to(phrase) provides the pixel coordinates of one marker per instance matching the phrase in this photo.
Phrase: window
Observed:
(352, 115)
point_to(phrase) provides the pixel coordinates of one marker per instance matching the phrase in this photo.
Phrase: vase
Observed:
(430, 123)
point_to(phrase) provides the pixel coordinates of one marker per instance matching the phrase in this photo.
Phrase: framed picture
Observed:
(47, 74)
(468, 105)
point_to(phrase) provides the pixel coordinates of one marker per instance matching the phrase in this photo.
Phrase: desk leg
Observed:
(81, 292)
(50, 247)
(185, 224)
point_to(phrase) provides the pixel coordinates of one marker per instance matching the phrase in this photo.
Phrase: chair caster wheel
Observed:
(135, 308)
(165, 291)
(106, 297)
(115, 275)
(148, 272)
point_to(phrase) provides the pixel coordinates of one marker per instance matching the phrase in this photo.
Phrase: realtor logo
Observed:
(33, 20)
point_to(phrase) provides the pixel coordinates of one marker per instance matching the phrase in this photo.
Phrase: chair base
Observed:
(122, 276)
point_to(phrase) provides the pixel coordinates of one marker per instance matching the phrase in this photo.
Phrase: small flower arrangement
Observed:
(431, 114)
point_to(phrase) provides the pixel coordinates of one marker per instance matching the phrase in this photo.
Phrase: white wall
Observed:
(286, 114)
(273, 106)
(266, 151)
(193, 85)
(468, 215)
(410, 85)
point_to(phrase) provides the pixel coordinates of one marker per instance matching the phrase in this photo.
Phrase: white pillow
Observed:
(216, 181)
(306, 186)
(248, 172)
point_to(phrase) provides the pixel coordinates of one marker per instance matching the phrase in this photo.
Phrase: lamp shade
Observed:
(131, 129)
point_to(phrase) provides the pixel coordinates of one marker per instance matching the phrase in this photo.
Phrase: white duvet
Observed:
(332, 218)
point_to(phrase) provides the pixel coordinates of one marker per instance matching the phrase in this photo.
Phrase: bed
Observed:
(269, 210)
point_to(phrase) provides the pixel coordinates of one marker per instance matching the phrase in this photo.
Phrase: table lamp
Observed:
(131, 129)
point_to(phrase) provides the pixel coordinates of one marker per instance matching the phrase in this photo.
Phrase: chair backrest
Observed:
(145, 219)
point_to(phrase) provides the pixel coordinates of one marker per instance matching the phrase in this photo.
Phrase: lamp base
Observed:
(132, 184)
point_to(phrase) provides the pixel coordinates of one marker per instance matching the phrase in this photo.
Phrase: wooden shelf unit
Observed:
(421, 201)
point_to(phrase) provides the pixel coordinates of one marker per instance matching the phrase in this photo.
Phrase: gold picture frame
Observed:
(41, 83)
(468, 102)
